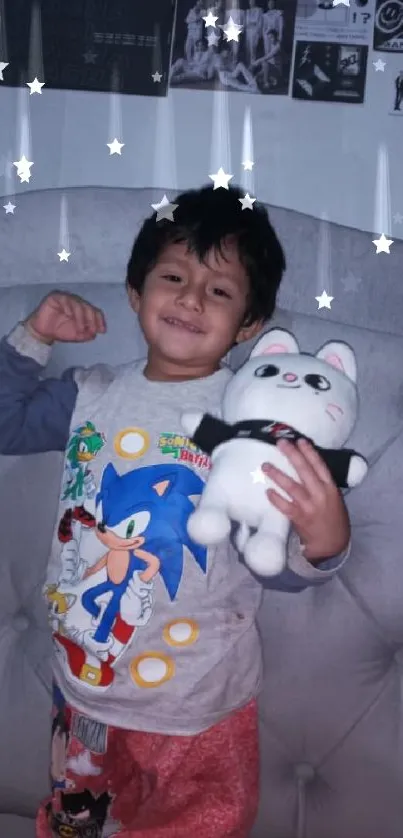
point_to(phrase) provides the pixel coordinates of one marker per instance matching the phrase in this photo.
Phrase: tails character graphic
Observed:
(141, 518)
(82, 815)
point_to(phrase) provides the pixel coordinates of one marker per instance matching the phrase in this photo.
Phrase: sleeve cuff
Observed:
(25, 344)
(305, 570)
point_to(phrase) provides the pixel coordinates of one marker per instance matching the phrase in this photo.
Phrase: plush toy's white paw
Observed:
(190, 422)
(357, 470)
(265, 554)
(208, 526)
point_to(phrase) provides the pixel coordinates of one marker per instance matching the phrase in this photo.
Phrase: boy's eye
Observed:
(219, 292)
(172, 278)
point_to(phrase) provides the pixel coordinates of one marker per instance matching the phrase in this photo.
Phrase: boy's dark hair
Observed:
(205, 218)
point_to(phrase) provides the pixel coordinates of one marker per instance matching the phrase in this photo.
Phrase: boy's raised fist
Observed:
(67, 318)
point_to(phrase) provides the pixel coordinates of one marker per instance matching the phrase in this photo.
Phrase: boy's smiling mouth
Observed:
(182, 324)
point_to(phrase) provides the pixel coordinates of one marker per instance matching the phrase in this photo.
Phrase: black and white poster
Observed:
(388, 29)
(319, 20)
(329, 72)
(396, 94)
(83, 44)
(259, 61)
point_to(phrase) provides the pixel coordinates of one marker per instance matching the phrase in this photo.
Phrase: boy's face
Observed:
(191, 312)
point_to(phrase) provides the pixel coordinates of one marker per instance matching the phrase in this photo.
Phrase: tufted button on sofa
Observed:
(331, 709)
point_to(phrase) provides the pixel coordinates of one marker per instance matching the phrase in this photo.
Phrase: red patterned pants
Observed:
(111, 782)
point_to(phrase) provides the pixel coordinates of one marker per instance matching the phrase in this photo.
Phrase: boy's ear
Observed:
(249, 332)
(134, 298)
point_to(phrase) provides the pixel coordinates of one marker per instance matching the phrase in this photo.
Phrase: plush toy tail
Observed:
(242, 536)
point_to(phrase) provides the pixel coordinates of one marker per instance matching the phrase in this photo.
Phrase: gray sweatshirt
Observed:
(151, 631)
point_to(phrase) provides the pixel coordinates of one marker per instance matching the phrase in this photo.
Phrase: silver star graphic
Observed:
(221, 179)
(324, 301)
(165, 209)
(90, 57)
(35, 86)
(9, 208)
(209, 19)
(213, 39)
(398, 218)
(351, 282)
(3, 65)
(232, 30)
(156, 77)
(248, 165)
(64, 255)
(115, 147)
(341, 2)
(258, 476)
(379, 65)
(382, 244)
(247, 202)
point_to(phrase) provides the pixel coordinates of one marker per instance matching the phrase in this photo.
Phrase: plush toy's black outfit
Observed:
(212, 432)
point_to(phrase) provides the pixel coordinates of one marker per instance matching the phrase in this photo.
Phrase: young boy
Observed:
(157, 660)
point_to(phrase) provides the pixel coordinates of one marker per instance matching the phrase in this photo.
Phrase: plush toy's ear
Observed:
(339, 355)
(275, 342)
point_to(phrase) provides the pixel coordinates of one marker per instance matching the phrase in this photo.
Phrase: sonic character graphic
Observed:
(141, 520)
(82, 815)
(84, 445)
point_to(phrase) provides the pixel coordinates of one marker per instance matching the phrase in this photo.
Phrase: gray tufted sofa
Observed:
(331, 706)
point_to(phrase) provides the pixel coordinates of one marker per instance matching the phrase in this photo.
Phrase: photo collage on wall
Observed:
(310, 50)
(388, 39)
(89, 45)
(331, 50)
(258, 62)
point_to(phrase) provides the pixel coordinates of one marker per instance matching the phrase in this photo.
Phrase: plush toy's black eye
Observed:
(318, 382)
(267, 371)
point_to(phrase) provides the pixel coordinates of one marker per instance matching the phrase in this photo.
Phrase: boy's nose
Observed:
(191, 299)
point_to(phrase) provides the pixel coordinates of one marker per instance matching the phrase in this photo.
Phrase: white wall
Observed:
(320, 159)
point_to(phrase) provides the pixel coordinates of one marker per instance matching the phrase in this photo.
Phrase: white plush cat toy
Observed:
(277, 394)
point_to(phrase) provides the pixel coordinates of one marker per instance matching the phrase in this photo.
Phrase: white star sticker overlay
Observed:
(247, 202)
(3, 66)
(232, 30)
(398, 218)
(156, 77)
(258, 476)
(341, 3)
(379, 65)
(382, 244)
(9, 208)
(213, 39)
(165, 209)
(115, 147)
(64, 255)
(35, 86)
(23, 167)
(324, 301)
(221, 179)
(351, 282)
(209, 19)
(248, 165)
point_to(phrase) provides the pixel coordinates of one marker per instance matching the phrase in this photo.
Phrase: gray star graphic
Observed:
(351, 282)
(90, 57)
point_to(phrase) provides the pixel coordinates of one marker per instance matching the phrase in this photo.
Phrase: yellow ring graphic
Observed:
(194, 632)
(119, 440)
(135, 674)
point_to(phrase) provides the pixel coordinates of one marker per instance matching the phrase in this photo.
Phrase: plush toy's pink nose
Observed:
(290, 376)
